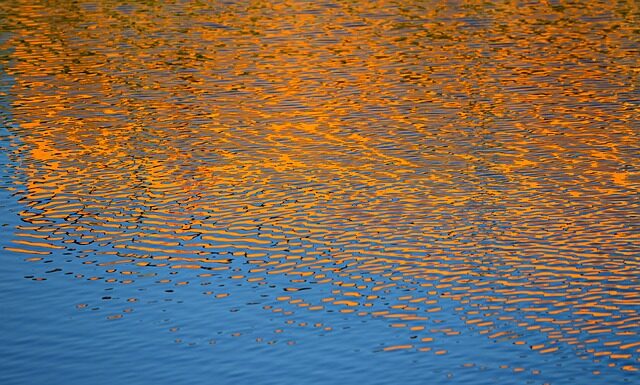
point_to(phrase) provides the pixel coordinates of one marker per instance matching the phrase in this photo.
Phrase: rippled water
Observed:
(296, 192)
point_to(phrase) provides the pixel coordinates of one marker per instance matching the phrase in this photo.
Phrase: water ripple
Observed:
(453, 171)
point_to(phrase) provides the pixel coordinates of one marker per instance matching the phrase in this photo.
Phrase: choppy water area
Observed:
(285, 192)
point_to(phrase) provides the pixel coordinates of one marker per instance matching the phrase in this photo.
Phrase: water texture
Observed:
(291, 192)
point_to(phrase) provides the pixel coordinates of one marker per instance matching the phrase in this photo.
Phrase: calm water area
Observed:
(320, 192)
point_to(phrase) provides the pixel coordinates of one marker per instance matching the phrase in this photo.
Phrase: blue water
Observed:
(47, 340)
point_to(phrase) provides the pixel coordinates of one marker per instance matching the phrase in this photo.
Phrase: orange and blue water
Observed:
(320, 192)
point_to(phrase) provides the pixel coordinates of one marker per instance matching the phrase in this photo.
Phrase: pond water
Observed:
(310, 192)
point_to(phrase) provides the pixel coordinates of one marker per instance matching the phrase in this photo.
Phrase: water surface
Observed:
(309, 192)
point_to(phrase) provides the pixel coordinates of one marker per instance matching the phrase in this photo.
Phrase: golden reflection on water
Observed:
(479, 152)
